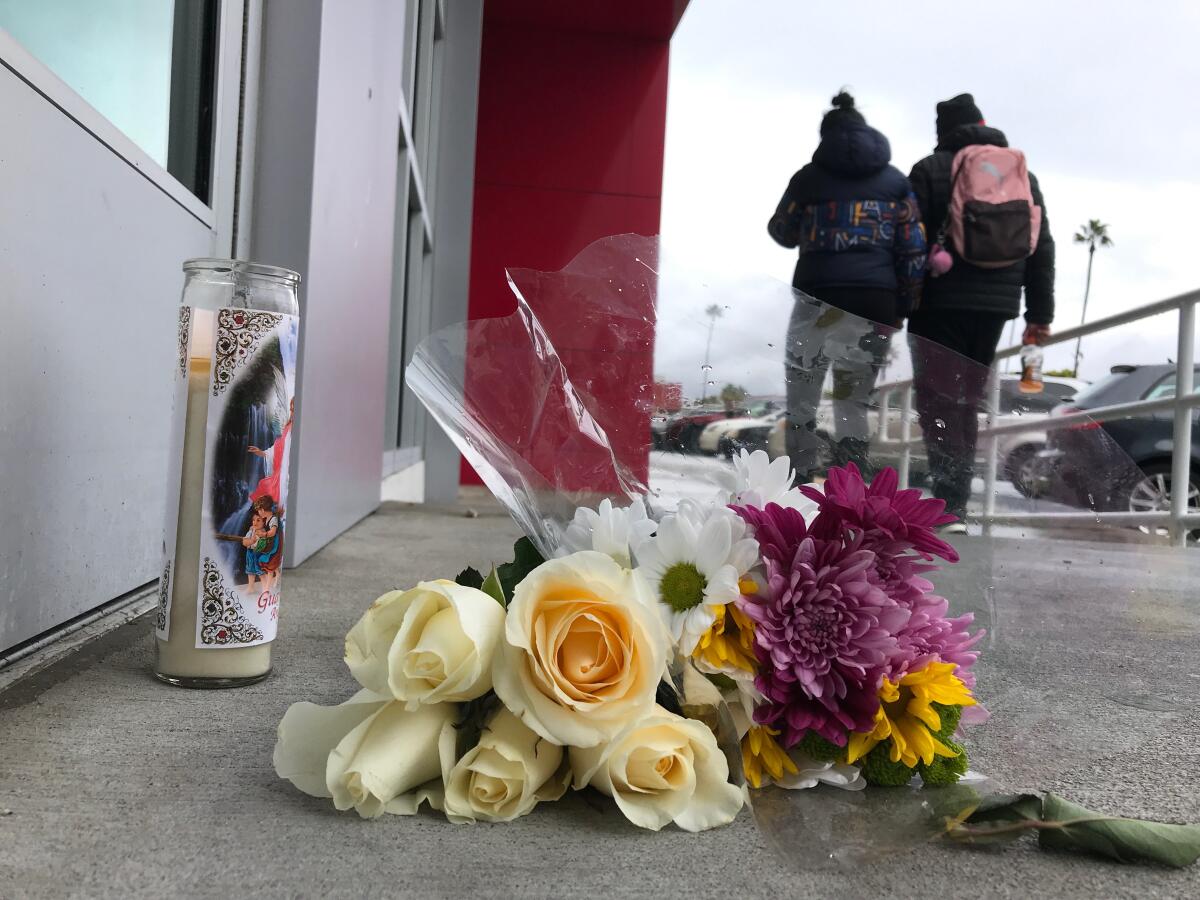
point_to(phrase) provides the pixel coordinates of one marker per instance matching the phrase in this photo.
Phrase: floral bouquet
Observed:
(677, 633)
(806, 608)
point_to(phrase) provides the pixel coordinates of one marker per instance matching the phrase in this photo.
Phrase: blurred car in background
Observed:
(682, 431)
(1077, 462)
(1017, 452)
(727, 436)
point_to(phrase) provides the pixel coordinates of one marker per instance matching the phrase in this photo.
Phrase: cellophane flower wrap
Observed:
(665, 636)
(688, 622)
(725, 593)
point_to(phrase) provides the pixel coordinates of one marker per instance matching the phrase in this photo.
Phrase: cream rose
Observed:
(662, 769)
(505, 775)
(430, 644)
(584, 649)
(369, 753)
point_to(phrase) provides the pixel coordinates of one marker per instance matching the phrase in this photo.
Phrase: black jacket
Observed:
(969, 287)
(854, 218)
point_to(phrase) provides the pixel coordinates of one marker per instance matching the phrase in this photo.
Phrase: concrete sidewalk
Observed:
(119, 786)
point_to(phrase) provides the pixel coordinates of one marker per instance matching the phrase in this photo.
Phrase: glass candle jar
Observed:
(226, 521)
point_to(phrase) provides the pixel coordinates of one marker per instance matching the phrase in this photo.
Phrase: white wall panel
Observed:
(90, 253)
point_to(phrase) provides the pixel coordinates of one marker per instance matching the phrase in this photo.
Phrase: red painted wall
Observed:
(572, 122)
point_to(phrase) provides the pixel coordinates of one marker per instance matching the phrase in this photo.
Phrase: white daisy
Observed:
(614, 531)
(693, 564)
(757, 480)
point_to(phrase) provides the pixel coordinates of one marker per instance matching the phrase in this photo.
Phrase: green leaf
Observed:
(493, 588)
(721, 682)
(998, 818)
(668, 698)
(1062, 825)
(473, 717)
(470, 577)
(526, 558)
(1068, 826)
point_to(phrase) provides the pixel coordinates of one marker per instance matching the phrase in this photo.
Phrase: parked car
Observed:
(684, 428)
(1017, 452)
(658, 429)
(725, 436)
(1083, 469)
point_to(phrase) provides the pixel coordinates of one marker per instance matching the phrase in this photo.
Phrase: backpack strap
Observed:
(944, 227)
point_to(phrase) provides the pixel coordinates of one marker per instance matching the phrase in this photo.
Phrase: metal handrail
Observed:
(1136, 314)
(1182, 403)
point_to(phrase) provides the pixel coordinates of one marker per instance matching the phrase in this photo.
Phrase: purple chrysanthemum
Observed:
(825, 632)
(885, 515)
(930, 635)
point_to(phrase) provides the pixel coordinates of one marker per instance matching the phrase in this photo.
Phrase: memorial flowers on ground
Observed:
(604, 666)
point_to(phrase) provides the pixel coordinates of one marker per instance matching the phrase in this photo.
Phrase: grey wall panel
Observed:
(90, 253)
(283, 164)
(352, 124)
(459, 104)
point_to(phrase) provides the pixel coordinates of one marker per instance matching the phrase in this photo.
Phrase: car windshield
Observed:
(1100, 387)
(1013, 402)
(1166, 388)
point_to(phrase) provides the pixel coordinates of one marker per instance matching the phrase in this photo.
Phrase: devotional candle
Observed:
(227, 515)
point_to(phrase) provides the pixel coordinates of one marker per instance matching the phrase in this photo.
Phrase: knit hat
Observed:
(960, 110)
(842, 114)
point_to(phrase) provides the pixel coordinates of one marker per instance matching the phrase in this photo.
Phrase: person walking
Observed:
(994, 236)
(855, 221)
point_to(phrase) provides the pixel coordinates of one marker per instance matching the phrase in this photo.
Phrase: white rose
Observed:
(505, 775)
(584, 650)
(662, 769)
(430, 644)
(369, 753)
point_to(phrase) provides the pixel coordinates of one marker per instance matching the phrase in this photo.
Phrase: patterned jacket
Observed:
(854, 219)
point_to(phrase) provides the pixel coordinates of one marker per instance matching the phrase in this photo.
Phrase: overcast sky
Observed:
(1100, 96)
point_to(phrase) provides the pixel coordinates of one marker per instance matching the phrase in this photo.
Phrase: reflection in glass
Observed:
(145, 65)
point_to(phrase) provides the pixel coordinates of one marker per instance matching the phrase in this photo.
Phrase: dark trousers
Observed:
(952, 353)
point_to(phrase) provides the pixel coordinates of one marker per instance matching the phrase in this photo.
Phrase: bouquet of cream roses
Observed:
(802, 607)
(485, 696)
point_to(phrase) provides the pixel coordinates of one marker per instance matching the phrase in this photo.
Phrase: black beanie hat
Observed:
(960, 110)
(842, 114)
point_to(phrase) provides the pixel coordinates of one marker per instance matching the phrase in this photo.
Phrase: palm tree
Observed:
(713, 312)
(732, 395)
(1094, 234)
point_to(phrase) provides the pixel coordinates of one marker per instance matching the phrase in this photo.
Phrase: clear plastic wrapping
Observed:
(629, 377)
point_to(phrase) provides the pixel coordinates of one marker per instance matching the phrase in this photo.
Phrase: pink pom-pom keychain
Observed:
(940, 260)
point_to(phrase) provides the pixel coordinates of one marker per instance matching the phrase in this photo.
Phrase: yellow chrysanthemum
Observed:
(906, 715)
(729, 641)
(760, 751)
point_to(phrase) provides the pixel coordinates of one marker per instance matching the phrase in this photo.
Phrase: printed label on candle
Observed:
(244, 525)
(162, 621)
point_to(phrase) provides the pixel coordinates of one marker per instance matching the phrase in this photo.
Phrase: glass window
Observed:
(1060, 391)
(145, 65)
(1166, 387)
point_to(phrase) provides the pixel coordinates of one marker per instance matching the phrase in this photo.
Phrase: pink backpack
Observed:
(992, 220)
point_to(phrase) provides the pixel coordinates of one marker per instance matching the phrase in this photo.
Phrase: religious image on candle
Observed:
(244, 522)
